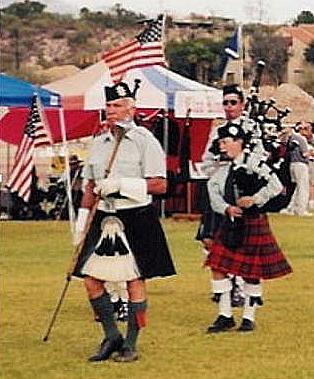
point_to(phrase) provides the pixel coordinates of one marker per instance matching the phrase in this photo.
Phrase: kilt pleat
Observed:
(145, 237)
(259, 257)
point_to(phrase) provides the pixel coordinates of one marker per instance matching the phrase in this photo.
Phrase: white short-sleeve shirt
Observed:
(139, 155)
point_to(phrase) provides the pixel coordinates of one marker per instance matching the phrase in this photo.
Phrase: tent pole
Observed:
(8, 168)
(165, 145)
(67, 170)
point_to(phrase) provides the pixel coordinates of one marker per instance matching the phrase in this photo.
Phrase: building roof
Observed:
(292, 96)
(303, 32)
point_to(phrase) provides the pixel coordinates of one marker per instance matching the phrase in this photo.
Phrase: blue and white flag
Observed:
(232, 51)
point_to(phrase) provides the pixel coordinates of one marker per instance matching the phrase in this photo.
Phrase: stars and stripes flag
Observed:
(35, 135)
(146, 49)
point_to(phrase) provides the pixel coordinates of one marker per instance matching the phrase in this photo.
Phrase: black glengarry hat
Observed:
(121, 90)
(232, 130)
(233, 89)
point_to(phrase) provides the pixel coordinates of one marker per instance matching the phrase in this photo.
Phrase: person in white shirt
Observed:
(299, 169)
(233, 104)
(125, 241)
(244, 244)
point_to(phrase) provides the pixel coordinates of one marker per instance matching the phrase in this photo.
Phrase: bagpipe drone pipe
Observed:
(268, 119)
(262, 122)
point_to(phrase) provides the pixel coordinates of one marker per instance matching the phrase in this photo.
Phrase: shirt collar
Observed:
(108, 136)
(239, 159)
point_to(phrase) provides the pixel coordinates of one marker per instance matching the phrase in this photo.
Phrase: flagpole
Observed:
(240, 46)
(67, 170)
(65, 146)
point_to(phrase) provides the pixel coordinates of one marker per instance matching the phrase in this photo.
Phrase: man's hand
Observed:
(107, 186)
(233, 211)
(245, 201)
(207, 243)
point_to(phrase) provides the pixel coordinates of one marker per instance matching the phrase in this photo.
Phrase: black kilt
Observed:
(146, 239)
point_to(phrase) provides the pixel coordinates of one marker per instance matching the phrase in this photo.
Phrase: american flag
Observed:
(35, 135)
(146, 49)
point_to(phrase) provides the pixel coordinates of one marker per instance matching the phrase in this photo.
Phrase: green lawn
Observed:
(35, 256)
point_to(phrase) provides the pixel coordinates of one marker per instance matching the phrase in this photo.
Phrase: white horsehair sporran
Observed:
(112, 259)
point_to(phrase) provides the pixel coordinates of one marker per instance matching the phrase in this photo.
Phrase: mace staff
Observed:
(78, 249)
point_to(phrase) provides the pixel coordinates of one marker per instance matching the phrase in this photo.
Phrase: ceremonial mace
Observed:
(119, 136)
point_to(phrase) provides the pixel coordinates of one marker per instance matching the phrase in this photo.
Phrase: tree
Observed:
(84, 12)
(305, 17)
(26, 9)
(309, 53)
(273, 50)
(117, 17)
(184, 57)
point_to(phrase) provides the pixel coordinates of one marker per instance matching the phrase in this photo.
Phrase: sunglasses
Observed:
(231, 102)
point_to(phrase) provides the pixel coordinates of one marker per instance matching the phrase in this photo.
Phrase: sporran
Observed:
(112, 259)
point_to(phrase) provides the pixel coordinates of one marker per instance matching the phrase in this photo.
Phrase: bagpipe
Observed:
(268, 119)
(262, 121)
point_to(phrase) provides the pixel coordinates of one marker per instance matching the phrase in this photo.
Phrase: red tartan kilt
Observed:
(259, 257)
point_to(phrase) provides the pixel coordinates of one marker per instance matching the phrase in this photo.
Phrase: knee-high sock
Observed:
(253, 298)
(223, 289)
(136, 320)
(103, 307)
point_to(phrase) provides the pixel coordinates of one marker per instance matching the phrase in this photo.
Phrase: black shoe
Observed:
(221, 324)
(126, 355)
(107, 347)
(246, 325)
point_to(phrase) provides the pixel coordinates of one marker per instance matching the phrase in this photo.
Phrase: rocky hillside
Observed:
(32, 40)
(33, 49)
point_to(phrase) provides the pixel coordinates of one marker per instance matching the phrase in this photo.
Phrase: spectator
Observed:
(299, 169)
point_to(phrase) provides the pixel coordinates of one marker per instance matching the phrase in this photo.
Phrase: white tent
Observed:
(160, 88)
(85, 89)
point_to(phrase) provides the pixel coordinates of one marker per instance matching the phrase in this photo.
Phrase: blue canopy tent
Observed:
(15, 92)
(16, 98)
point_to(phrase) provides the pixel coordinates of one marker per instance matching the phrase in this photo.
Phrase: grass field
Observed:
(35, 256)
